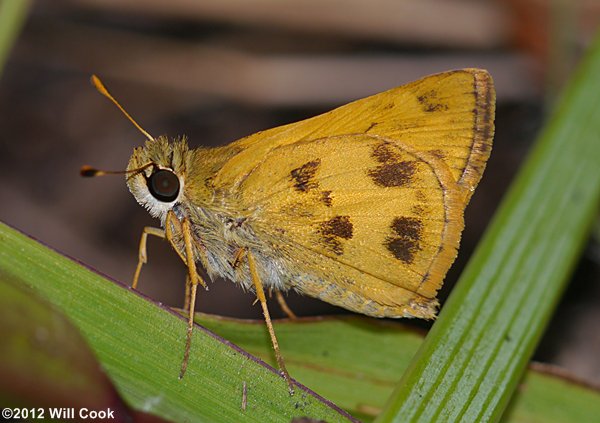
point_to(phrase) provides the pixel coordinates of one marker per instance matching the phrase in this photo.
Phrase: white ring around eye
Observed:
(139, 188)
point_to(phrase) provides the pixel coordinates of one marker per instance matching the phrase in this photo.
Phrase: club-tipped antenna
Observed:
(102, 90)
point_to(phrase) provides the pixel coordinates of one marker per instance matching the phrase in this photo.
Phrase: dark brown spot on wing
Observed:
(408, 227)
(339, 226)
(430, 103)
(393, 174)
(334, 230)
(303, 176)
(404, 242)
(402, 249)
(383, 153)
(326, 198)
(393, 170)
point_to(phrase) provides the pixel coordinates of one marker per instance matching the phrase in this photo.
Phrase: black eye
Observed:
(164, 185)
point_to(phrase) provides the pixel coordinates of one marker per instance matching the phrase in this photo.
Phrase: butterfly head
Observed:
(156, 174)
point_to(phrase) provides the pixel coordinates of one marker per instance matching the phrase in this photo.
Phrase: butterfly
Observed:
(361, 207)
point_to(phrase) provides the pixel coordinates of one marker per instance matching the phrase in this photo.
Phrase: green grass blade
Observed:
(475, 354)
(544, 397)
(356, 361)
(140, 345)
(12, 18)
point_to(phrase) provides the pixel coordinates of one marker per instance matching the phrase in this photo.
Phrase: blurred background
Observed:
(217, 70)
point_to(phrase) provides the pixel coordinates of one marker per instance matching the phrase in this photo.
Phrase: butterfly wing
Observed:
(449, 115)
(366, 202)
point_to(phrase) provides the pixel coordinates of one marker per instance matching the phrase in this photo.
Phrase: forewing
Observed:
(450, 115)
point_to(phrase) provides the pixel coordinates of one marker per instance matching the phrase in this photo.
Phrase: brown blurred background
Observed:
(216, 70)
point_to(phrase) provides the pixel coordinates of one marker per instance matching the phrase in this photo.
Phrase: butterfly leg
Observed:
(188, 292)
(260, 294)
(173, 224)
(194, 280)
(284, 306)
(142, 254)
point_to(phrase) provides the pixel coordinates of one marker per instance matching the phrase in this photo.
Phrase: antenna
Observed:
(89, 172)
(102, 90)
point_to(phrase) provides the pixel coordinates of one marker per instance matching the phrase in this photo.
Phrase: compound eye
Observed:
(163, 185)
